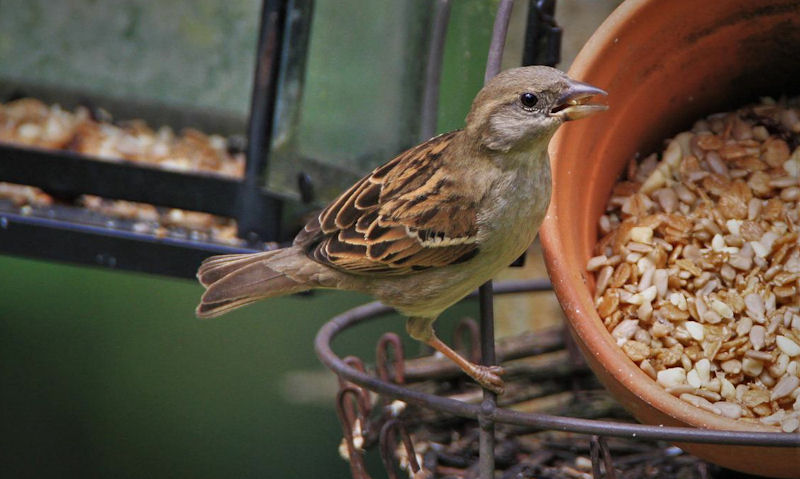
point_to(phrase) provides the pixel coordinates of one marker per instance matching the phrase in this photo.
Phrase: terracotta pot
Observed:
(664, 64)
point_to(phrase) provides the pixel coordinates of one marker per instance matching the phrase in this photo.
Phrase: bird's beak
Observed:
(574, 102)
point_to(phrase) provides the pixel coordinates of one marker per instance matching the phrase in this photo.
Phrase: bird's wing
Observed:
(407, 215)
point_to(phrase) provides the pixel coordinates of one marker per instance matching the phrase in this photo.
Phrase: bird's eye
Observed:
(528, 100)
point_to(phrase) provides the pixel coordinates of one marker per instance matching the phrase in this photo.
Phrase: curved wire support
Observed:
(398, 358)
(598, 450)
(354, 362)
(353, 414)
(388, 442)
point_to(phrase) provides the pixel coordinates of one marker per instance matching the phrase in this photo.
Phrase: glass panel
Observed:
(363, 89)
(186, 54)
(360, 101)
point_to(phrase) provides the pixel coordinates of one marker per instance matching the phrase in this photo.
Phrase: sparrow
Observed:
(427, 228)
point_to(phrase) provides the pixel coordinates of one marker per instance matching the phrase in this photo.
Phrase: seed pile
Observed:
(697, 268)
(30, 122)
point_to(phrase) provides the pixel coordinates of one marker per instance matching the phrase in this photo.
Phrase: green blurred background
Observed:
(108, 374)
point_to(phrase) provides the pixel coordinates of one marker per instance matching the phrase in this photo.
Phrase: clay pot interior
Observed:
(664, 65)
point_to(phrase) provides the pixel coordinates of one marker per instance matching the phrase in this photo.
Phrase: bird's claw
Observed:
(489, 378)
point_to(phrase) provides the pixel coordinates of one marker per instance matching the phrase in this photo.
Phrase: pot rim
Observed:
(575, 297)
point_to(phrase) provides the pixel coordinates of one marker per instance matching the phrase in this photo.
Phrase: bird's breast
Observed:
(515, 208)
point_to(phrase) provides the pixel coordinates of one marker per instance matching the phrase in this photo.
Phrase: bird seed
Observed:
(698, 264)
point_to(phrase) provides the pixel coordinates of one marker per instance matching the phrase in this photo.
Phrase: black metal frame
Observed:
(543, 35)
(59, 237)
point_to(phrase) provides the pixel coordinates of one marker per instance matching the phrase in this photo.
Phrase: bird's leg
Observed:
(421, 329)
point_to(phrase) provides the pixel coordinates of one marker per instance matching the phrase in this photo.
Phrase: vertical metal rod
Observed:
(433, 70)
(255, 219)
(499, 32)
(489, 404)
(486, 304)
(485, 296)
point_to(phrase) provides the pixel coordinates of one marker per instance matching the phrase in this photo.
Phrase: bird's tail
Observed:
(235, 280)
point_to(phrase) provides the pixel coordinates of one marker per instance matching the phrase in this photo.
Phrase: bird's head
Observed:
(524, 106)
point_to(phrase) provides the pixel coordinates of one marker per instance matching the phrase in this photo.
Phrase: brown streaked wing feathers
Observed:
(388, 222)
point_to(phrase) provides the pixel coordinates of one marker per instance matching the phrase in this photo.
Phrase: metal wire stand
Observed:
(389, 384)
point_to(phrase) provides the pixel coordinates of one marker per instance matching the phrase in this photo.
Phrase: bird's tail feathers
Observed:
(236, 280)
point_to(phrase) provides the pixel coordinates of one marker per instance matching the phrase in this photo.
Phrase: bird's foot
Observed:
(486, 376)
(489, 377)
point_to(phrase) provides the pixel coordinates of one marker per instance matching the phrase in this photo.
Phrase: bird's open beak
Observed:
(575, 101)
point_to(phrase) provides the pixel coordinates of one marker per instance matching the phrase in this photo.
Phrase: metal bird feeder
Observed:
(64, 234)
(283, 178)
